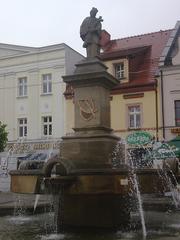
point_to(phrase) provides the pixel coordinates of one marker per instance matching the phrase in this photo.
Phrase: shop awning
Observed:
(175, 145)
(164, 151)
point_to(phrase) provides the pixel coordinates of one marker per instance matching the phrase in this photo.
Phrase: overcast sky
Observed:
(46, 22)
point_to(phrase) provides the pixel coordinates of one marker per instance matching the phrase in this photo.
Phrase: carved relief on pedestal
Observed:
(87, 109)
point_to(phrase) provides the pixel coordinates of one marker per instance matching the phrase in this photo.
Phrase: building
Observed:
(135, 102)
(169, 66)
(32, 102)
(31, 91)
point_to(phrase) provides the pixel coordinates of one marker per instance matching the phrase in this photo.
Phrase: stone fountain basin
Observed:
(86, 181)
(33, 181)
(25, 181)
(151, 181)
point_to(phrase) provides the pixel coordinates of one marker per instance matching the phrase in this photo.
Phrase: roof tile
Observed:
(146, 50)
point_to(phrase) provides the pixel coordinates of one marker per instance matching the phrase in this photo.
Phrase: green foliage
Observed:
(3, 136)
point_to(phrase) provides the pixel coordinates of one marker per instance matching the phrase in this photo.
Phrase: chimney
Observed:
(105, 39)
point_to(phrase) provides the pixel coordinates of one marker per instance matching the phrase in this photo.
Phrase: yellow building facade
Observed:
(150, 113)
(136, 101)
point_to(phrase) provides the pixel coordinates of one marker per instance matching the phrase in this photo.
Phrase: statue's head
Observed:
(93, 12)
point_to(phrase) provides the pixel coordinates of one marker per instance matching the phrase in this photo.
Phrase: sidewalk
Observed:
(9, 201)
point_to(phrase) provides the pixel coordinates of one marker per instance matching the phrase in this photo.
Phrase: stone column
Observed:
(93, 140)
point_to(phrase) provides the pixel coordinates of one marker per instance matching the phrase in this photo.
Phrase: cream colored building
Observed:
(31, 90)
(170, 85)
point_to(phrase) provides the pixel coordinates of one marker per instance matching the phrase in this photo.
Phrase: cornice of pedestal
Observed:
(91, 73)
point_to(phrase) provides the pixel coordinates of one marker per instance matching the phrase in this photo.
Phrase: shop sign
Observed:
(139, 138)
(175, 130)
(28, 147)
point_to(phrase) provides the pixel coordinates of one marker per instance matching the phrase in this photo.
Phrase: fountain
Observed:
(89, 190)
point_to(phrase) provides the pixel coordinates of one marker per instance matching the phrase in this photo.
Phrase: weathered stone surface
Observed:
(96, 210)
(92, 85)
(97, 198)
(93, 142)
(89, 152)
(90, 32)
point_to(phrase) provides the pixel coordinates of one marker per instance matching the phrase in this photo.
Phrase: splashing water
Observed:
(36, 201)
(163, 168)
(59, 210)
(19, 206)
(117, 163)
(140, 205)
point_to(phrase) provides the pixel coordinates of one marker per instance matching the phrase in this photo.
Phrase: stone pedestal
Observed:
(92, 85)
(97, 198)
(91, 145)
(106, 211)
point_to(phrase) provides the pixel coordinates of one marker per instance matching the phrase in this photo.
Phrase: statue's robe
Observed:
(90, 31)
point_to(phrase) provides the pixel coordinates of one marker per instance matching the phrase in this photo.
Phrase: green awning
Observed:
(165, 151)
(175, 144)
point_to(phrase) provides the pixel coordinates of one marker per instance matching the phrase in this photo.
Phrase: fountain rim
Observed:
(78, 172)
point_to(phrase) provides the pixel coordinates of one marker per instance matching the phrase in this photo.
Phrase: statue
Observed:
(90, 32)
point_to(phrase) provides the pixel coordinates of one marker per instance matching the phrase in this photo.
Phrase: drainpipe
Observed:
(156, 107)
(162, 100)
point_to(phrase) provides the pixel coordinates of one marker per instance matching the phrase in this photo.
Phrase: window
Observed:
(22, 87)
(177, 113)
(46, 83)
(119, 70)
(47, 126)
(22, 126)
(134, 116)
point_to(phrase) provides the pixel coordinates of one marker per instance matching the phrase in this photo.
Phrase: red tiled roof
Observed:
(155, 39)
(143, 52)
(122, 53)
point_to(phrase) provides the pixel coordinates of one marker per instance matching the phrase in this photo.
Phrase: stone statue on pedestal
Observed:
(90, 32)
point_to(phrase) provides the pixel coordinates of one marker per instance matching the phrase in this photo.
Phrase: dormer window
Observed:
(119, 70)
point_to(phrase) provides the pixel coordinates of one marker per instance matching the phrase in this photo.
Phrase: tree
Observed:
(3, 136)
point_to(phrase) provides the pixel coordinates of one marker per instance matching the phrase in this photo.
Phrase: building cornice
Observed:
(169, 44)
(135, 88)
(170, 68)
(32, 66)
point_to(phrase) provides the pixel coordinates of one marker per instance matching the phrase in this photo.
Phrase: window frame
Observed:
(22, 127)
(175, 113)
(47, 126)
(120, 72)
(46, 83)
(134, 114)
(22, 87)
